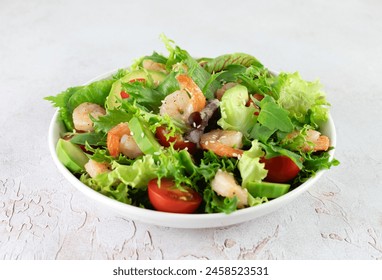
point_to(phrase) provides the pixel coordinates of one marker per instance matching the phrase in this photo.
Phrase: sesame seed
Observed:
(131, 133)
(235, 154)
(194, 124)
(206, 143)
(199, 126)
(186, 141)
(186, 148)
(212, 141)
(142, 135)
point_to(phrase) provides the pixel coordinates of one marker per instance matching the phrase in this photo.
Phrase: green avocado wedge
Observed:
(151, 78)
(144, 138)
(71, 156)
(267, 189)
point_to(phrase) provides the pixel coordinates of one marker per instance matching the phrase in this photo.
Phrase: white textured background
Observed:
(47, 46)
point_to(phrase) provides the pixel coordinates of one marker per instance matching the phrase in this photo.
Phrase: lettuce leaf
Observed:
(234, 114)
(273, 116)
(105, 184)
(216, 204)
(250, 168)
(69, 99)
(221, 63)
(138, 174)
(302, 98)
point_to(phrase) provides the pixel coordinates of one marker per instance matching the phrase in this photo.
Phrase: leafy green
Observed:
(258, 80)
(92, 138)
(111, 119)
(156, 57)
(145, 96)
(216, 204)
(168, 85)
(68, 100)
(106, 184)
(261, 132)
(273, 116)
(298, 97)
(95, 92)
(220, 63)
(251, 170)
(234, 114)
(273, 150)
(138, 174)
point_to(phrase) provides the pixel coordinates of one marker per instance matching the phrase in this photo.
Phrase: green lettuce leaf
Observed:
(221, 63)
(250, 168)
(68, 100)
(138, 174)
(105, 184)
(216, 204)
(300, 98)
(273, 116)
(111, 119)
(234, 114)
(143, 95)
(272, 150)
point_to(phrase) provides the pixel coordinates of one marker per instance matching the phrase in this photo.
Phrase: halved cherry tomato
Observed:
(281, 169)
(179, 142)
(168, 198)
(124, 94)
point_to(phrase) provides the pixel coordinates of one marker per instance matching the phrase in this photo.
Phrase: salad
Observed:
(184, 135)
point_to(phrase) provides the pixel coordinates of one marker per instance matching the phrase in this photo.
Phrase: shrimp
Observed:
(320, 142)
(94, 168)
(155, 66)
(223, 142)
(314, 141)
(81, 116)
(220, 92)
(120, 140)
(225, 185)
(182, 103)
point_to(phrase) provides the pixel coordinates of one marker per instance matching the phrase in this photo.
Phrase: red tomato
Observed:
(124, 95)
(168, 198)
(281, 169)
(179, 142)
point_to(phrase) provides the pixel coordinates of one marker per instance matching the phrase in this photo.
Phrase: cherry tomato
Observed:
(179, 142)
(168, 198)
(281, 169)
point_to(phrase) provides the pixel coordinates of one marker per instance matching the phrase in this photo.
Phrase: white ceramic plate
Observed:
(180, 220)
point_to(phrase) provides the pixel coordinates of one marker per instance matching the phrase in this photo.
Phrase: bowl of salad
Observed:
(193, 143)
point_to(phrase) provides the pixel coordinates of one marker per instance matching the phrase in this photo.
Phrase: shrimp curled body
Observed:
(81, 116)
(223, 142)
(225, 185)
(120, 140)
(182, 103)
(94, 168)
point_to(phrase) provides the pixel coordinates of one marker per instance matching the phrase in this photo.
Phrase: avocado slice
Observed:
(151, 77)
(71, 156)
(267, 189)
(144, 138)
